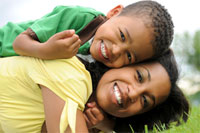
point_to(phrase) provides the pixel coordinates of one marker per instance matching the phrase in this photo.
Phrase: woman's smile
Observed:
(129, 91)
(118, 95)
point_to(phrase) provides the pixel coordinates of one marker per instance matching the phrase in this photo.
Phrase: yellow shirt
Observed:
(21, 105)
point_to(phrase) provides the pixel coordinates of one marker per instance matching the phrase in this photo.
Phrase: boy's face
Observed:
(121, 40)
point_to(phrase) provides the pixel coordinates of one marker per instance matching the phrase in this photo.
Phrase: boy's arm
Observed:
(61, 45)
(53, 106)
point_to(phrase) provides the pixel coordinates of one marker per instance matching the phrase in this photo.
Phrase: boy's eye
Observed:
(145, 102)
(129, 57)
(139, 76)
(122, 36)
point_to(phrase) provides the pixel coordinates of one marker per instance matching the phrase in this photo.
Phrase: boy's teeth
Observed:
(103, 50)
(117, 95)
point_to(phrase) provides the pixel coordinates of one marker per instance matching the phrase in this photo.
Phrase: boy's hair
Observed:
(174, 108)
(155, 16)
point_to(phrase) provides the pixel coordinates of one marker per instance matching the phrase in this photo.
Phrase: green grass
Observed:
(191, 126)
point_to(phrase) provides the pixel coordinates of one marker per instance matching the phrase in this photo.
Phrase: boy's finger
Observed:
(65, 34)
(71, 31)
(76, 45)
(91, 104)
(97, 114)
(91, 117)
(71, 40)
(75, 50)
(89, 124)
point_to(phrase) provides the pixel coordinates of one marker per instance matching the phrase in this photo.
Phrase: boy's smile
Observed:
(122, 40)
(103, 51)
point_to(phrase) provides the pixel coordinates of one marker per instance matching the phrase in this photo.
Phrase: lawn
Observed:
(191, 126)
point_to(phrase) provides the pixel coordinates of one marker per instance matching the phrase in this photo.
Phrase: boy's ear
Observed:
(115, 11)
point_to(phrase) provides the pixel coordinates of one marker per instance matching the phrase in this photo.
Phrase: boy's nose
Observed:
(117, 50)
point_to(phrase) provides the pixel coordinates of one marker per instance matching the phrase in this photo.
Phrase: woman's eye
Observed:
(145, 102)
(129, 57)
(139, 76)
(122, 36)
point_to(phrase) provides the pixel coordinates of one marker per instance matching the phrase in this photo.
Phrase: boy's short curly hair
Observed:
(155, 16)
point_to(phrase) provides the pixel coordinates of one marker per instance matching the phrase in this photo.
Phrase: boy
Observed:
(132, 34)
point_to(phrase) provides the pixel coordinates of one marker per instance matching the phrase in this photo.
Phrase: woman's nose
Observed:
(135, 92)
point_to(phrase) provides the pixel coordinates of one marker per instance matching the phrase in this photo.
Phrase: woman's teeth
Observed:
(103, 50)
(117, 95)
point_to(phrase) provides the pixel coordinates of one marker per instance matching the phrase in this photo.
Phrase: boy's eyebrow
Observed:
(129, 37)
(134, 54)
(130, 41)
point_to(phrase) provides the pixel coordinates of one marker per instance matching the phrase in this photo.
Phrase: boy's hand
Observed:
(93, 115)
(97, 119)
(64, 44)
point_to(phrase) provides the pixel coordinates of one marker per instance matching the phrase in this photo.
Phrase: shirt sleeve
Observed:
(69, 80)
(69, 111)
(63, 18)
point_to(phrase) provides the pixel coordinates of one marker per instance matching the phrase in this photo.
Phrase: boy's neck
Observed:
(88, 58)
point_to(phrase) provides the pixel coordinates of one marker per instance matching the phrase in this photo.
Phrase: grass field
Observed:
(192, 125)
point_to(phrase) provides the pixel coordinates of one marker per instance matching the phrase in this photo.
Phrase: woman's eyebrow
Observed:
(152, 97)
(149, 75)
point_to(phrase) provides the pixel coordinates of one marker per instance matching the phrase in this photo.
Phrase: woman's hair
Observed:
(154, 16)
(96, 69)
(172, 109)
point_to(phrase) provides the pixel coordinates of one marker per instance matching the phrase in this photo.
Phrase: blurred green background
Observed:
(186, 43)
(187, 50)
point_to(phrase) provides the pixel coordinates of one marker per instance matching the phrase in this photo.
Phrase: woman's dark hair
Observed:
(96, 70)
(155, 16)
(173, 109)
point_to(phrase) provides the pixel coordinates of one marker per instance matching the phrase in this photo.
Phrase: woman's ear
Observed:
(115, 11)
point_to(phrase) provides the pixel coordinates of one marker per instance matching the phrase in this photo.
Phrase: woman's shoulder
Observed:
(60, 70)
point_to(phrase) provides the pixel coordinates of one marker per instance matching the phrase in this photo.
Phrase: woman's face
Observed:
(132, 90)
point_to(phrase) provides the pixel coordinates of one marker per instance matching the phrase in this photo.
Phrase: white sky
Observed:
(185, 13)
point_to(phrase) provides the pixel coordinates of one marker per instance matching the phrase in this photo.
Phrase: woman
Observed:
(33, 90)
(171, 110)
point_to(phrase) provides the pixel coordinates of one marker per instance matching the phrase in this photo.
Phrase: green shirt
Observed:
(61, 18)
